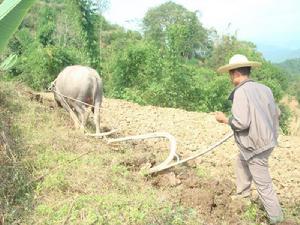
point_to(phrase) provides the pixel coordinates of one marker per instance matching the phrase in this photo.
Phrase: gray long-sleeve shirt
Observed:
(255, 118)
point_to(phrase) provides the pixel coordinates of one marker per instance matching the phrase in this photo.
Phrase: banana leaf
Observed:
(9, 62)
(11, 14)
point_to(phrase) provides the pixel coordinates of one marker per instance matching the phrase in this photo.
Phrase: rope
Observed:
(76, 100)
(69, 107)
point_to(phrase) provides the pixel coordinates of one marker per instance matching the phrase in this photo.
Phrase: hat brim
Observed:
(228, 67)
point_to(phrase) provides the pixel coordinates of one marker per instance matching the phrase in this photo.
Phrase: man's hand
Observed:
(221, 117)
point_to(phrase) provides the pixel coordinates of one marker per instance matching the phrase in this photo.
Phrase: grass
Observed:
(201, 172)
(112, 208)
(254, 213)
(16, 197)
(292, 213)
(251, 213)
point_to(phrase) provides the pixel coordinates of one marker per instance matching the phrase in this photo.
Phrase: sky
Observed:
(263, 22)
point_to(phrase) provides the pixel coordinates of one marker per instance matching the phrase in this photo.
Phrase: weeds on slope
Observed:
(15, 196)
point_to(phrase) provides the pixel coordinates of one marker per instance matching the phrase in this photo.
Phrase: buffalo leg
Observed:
(66, 106)
(82, 113)
(97, 117)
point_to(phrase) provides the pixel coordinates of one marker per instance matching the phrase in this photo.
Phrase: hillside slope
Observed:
(60, 176)
(292, 66)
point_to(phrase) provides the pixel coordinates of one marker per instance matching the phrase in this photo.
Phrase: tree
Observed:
(84, 13)
(273, 77)
(172, 27)
(228, 45)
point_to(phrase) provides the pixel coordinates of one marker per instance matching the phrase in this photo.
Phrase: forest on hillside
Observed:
(171, 63)
(292, 66)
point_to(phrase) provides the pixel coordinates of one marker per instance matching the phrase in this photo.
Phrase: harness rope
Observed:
(51, 89)
(76, 100)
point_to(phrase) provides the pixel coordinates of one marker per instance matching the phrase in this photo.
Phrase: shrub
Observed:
(38, 65)
(285, 118)
(298, 96)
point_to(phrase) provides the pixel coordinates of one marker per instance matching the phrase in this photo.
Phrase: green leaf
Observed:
(11, 14)
(9, 62)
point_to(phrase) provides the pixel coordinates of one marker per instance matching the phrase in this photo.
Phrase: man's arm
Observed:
(240, 119)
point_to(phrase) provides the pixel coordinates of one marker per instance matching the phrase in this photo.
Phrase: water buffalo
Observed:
(79, 90)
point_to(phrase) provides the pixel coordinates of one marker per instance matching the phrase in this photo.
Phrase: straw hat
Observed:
(238, 61)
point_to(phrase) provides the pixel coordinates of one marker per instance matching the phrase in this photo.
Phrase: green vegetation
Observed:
(253, 214)
(172, 64)
(292, 66)
(54, 34)
(201, 172)
(11, 15)
(285, 118)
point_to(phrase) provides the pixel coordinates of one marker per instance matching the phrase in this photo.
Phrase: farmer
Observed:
(254, 121)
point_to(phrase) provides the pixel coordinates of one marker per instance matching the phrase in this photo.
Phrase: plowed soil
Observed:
(196, 131)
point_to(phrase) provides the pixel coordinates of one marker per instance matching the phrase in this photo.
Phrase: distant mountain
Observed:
(277, 54)
(291, 65)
